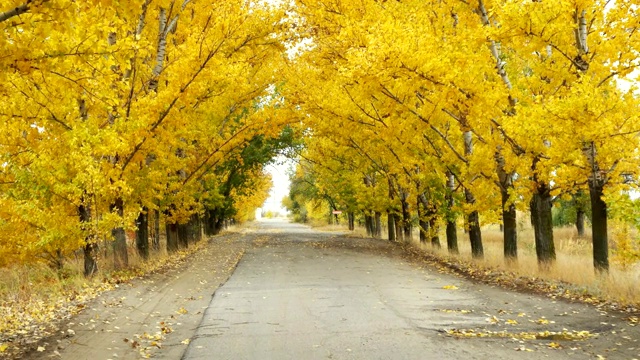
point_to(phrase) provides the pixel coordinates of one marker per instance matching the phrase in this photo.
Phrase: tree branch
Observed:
(16, 11)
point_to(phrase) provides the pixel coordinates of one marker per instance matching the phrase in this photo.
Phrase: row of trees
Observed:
(460, 108)
(112, 111)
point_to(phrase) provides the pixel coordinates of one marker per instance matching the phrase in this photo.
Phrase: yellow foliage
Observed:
(626, 249)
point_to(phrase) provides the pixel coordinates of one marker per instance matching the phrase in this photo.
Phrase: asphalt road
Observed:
(299, 294)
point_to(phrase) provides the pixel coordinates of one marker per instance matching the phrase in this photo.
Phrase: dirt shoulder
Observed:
(152, 316)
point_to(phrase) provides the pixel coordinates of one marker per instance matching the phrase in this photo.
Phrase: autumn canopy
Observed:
(116, 115)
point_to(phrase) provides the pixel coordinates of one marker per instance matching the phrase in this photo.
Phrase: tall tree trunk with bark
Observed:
(391, 217)
(599, 226)
(351, 217)
(399, 232)
(391, 226)
(424, 230)
(580, 221)
(377, 224)
(473, 218)
(430, 221)
(452, 234)
(368, 225)
(196, 227)
(543, 227)
(509, 224)
(219, 225)
(510, 228)
(120, 255)
(209, 222)
(156, 229)
(183, 235)
(473, 224)
(599, 229)
(172, 237)
(142, 233)
(423, 224)
(406, 220)
(542, 220)
(433, 231)
(90, 249)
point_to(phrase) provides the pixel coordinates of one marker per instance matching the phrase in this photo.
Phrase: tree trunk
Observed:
(367, 225)
(423, 225)
(406, 219)
(473, 219)
(351, 217)
(473, 222)
(452, 234)
(197, 228)
(219, 225)
(452, 237)
(209, 222)
(142, 234)
(433, 231)
(398, 226)
(580, 221)
(391, 226)
(120, 256)
(475, 235)
(90, 263)
(542, 219)
(57, 262)
(90, 245)
(510, 228)
(214, 221)
(509, 224)
(156, 229)
(378, 224)
(424, 230)
(172, 237)
(183, 236)
(599, 227)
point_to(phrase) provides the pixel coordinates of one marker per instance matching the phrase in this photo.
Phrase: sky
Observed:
(280, 186)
